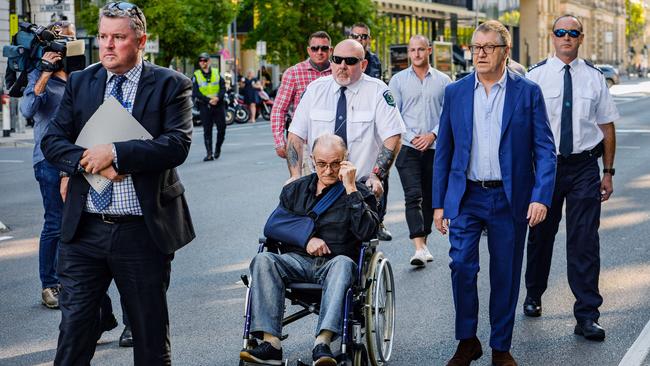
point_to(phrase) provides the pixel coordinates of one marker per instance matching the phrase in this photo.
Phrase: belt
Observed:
(596, 152)
(486, 183)
(114, 219)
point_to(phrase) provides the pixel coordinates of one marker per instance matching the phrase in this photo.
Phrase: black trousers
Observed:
(415, 170)
(106, 310)
(99, 253)
(578, 184)
(211, 115)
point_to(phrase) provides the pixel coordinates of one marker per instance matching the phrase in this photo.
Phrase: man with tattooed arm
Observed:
(358, 108)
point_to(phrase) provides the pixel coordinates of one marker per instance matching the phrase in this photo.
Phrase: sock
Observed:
(324, 337)
(275, 341)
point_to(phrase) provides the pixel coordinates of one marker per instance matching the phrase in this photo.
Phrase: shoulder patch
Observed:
(388, 97)
(543, 62)
(592, 66)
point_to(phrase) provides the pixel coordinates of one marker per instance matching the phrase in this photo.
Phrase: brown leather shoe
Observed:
(468, 350)
(502, 359)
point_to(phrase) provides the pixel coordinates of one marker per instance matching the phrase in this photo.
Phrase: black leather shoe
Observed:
(383, 234)
(590, 329)
(532, 308)
(126, 339)
(208, 158)
(217, 154)
(322, 355)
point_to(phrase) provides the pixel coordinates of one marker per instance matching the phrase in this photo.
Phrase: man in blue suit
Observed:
(494, 168)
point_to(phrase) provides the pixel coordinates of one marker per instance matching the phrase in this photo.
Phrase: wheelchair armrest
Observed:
(371, 244)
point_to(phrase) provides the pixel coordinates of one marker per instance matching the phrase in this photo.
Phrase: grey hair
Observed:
(331, 140)
(496, 27)
(137, 23)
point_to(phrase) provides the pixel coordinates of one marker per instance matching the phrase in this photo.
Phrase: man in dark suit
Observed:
(129, 230)
(494, 168)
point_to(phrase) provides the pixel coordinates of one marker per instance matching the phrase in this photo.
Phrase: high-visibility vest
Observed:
(209, 88)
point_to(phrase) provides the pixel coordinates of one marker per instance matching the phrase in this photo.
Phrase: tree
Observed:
(184, 28)
(286, 25)
(635, 21)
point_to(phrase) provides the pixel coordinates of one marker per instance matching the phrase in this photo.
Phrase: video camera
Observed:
(28, 46)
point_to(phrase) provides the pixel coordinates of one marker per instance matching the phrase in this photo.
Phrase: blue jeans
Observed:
(48, 180)
(271, 273)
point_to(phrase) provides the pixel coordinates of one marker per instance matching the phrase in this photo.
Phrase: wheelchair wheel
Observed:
(360, 357)
(380, 310)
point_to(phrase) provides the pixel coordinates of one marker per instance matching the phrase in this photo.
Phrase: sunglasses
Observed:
(359, 36)
(124, 6)
(322, 48)
(350, 61)
(573, 33)
(203, 60)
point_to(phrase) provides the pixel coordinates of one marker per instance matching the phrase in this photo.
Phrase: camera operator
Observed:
(40, 102)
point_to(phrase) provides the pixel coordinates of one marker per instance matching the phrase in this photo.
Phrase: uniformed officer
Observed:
(357, 107)
(581, 112)
(208, 90)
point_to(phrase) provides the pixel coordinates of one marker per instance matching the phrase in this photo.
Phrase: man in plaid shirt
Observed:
(294, 83)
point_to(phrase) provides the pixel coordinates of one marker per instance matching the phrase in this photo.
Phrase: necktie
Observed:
(566, 131)
(340, 128)
(102, 199)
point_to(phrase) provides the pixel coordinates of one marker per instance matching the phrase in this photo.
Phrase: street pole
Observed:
(234, 55)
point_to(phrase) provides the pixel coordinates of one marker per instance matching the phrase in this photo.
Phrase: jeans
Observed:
(415, 170)
(49, 182)
(271, 273)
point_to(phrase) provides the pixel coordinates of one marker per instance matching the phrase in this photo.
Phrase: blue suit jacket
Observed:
(526, 150)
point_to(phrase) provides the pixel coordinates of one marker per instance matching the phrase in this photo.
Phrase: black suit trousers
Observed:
(211, 115)
(98, 253)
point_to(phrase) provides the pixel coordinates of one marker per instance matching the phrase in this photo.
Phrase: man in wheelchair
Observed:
(329, 259)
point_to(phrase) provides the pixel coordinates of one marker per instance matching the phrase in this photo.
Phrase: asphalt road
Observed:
(230, 200)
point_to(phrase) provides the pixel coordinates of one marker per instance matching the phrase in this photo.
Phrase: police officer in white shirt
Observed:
(581, 112)
(419, 91)
(355, 106)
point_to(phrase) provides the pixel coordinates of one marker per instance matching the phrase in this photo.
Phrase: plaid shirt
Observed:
(294, 82)
(124, 200)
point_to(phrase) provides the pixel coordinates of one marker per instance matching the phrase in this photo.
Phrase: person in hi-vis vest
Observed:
(208, 91)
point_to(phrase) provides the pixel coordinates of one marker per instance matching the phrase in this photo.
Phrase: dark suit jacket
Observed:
(526, 150)
(163, 106)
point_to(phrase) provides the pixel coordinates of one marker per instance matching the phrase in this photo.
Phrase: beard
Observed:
(343, 79)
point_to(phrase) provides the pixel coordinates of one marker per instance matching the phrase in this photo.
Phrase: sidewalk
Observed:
(25, 139)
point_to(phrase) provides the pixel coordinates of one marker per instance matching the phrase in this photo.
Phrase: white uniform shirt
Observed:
(592, 103)
(371, 117)
(419, 101)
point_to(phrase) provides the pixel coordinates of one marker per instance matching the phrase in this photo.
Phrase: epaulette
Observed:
(543, 62)
(592, 66)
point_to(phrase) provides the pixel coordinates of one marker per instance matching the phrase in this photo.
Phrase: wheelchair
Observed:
(369, 318)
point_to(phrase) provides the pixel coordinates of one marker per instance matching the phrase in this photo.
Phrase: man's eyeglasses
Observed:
(573, 33)
(333, 165)
(359, 36)
(488, 48)
(128, 7)
(348, 60)
(322, 48)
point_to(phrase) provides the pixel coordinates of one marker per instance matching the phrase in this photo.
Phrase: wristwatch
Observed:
(611, 171)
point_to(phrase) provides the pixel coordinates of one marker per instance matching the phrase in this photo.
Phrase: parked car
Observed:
(610, 73)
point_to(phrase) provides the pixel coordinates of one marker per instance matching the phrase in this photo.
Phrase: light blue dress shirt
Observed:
(486, 131)
(419, 101)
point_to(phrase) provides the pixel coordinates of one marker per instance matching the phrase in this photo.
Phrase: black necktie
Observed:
(340, 128)
(566, 132)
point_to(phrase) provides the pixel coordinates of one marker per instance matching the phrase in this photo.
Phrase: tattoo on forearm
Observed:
(293, 159)
(384, 162)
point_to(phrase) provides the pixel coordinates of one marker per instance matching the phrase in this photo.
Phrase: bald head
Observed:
(348, 72)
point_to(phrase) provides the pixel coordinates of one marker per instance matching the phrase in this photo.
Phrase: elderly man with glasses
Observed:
(494, 168)
(129, 229)
(358, 108)
(329, 258)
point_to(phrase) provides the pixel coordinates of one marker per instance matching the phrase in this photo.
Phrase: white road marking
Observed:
(12, 161)
(628, 147)
(639, 350)
(6, 238)
(632, 131)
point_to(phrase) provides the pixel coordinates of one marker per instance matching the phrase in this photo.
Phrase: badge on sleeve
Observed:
(388, 97)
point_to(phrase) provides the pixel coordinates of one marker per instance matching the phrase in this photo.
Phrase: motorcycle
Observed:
(265, 105)
(236, 110)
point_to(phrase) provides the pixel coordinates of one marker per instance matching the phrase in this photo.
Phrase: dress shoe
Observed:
(502, 359)
(208, 158)
(126, 338)
(217, 154)
(468, 350)
(590, 329)
(532, 308)
(383, 234)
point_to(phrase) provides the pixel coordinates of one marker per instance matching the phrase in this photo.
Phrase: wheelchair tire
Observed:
(360, 357)
(380, 310)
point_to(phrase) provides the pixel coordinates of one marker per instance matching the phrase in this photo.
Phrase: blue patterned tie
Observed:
(340, 127)
(102, 199)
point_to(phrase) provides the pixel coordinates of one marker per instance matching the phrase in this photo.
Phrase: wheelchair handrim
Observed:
(384, 305)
